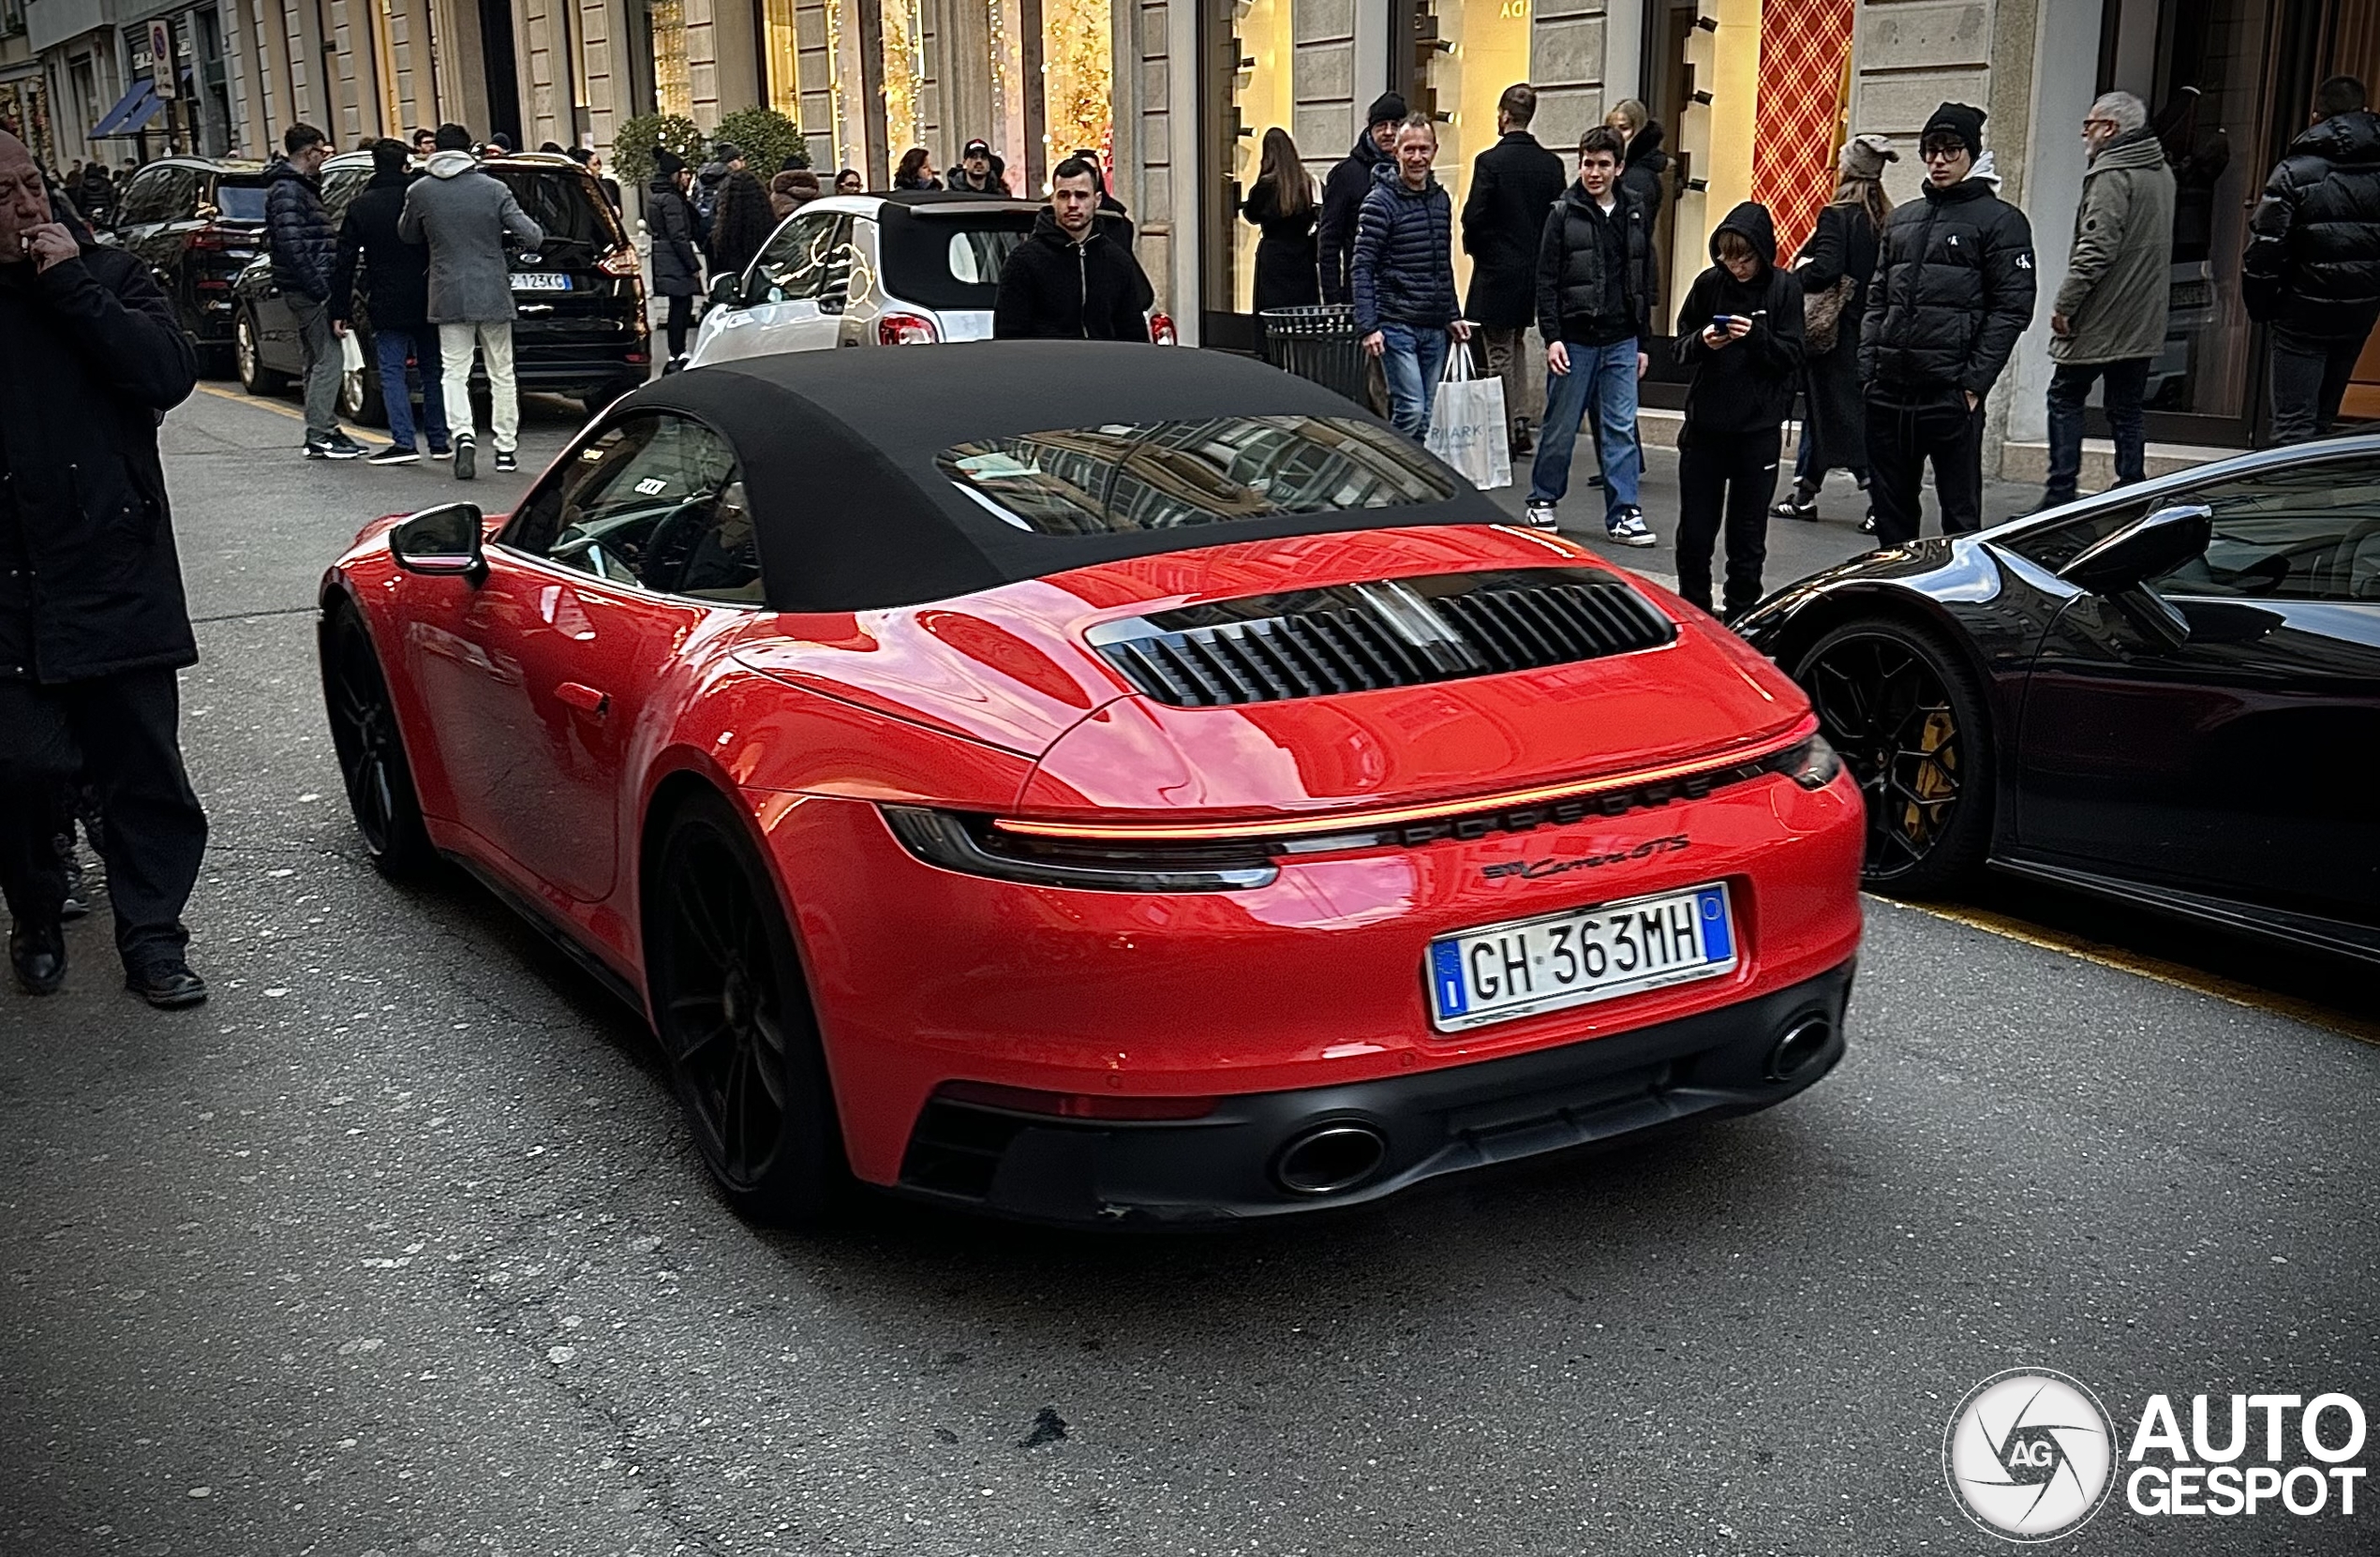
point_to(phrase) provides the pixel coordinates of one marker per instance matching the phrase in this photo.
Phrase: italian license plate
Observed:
(1530, 966)
(539, 281)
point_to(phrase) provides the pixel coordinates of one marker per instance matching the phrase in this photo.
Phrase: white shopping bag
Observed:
(351, 352)
(1468, 429)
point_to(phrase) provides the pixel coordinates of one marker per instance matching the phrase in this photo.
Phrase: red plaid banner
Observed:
(1805, 50)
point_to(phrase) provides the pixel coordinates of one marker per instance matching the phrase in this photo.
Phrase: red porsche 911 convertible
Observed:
(1093, 783)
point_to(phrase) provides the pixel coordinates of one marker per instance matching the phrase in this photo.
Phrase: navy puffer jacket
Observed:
(1404, 255)
(305, 247)
(2313, 265)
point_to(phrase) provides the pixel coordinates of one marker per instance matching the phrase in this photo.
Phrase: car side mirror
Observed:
(2120, 567)
(727, 291)
(441, 541)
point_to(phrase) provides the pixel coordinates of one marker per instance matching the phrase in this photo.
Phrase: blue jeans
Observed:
(2069, 387)
(392, 346)
(1604, 376)
(1411, 358)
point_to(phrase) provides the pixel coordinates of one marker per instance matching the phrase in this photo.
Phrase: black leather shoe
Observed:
(167, 984)
(38, 955)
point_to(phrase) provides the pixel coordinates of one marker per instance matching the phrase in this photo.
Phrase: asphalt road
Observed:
(396, 1246)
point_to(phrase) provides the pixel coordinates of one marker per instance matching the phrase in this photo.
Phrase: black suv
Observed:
(196, 222)
(581, 328)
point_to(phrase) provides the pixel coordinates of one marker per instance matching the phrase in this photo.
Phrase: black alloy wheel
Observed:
(734, 1017)
(1908, 717)
(247, 356)
(371, 751)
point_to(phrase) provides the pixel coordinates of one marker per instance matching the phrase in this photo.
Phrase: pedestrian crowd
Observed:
(1890, 328)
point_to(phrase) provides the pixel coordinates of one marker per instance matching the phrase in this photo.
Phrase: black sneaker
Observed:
(38, 955)
(394, 454)
(505, 460)
(339, 448)
(346, 446)
(467, 460)
(165, 983)
(1804, 509)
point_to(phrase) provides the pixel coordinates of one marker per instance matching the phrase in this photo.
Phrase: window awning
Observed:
(133, 109)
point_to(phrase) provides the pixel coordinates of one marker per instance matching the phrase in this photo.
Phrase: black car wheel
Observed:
(247, 356)
(371, 751)
(734, 1017)
(1907, 714)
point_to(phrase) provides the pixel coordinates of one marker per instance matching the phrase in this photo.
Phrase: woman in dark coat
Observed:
(1834, 435)
(1281, 206)
(677, 265)
(740, 229)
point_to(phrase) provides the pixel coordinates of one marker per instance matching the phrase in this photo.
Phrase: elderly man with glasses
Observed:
(1954, 289)
(2109, 317)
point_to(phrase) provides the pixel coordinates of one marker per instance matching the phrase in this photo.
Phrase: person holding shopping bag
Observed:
(1404, 272)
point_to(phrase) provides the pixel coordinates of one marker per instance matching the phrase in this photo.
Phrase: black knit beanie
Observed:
(1956, 119)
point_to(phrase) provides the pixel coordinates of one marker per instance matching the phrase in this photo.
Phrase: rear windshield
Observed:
(1164, 475)
(565, 202)
(239, 203)
(949, 259)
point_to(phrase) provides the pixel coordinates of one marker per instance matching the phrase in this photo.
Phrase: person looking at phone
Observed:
(1740, 330)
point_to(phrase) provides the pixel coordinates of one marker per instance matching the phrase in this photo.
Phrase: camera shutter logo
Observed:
(2030, 1455)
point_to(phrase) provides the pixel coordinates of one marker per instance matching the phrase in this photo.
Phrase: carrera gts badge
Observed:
(1533, 870)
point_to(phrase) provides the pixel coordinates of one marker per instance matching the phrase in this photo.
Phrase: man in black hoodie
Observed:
(1740, 330)
(1953, 290)
(1070, 281)
(2313, 267)
(1343, 194)
(396, 277)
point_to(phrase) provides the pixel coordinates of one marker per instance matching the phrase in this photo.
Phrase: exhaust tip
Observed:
(1800, 1048)
(1330, 1158)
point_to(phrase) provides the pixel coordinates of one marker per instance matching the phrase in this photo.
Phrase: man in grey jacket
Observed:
(465, 217)
(2109, 317)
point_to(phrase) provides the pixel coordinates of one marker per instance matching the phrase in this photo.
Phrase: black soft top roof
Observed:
(838, 452)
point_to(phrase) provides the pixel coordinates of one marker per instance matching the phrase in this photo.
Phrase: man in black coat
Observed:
(2313, 267)
(1514, 184)
(396, 279)
(1070, 280)
(298, 230)
(1953, 291)
(1343, 196)
(92, 621)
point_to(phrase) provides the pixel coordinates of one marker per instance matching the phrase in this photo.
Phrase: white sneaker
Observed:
(1539, 515)
(1627, 529)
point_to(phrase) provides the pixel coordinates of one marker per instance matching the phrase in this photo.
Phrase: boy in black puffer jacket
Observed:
(1740, 331)
(1404, 276)
(1953, 290)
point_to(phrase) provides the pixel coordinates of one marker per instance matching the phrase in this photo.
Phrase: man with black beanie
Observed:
(2311, 272)
(1343, 194)
(1953, 291)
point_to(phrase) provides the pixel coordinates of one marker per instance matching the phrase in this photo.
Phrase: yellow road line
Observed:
(2231, 991)
(238, 398)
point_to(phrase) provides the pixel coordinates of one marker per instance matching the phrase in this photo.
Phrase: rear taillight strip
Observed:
(1304, 826)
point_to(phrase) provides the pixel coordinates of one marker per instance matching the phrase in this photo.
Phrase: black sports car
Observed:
(2168, 693)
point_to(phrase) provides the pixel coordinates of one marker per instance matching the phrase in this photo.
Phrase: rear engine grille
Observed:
(1364, 637)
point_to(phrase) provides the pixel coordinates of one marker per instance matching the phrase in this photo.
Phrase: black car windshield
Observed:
(240, 203)
(1124, 476)
(946, 257)
(565, 202)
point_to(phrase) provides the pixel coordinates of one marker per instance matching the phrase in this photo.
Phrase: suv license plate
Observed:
(541, 281)
(1531, 966)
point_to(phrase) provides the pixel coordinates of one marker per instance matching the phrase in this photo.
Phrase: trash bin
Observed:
(1317, 343)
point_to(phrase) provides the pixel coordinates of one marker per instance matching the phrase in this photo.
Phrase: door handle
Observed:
(587, 700)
